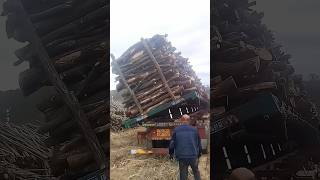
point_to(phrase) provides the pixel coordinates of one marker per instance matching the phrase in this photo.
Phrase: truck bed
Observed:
(192, 100)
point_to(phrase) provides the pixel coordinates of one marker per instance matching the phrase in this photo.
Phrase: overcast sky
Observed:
(187, 23)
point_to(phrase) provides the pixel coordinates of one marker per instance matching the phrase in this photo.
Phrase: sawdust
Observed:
(144, 167)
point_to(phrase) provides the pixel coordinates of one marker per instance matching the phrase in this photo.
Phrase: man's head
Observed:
(242, 174)
(185, 119)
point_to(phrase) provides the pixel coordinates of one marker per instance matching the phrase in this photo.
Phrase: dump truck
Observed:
(159, 86)
(161, 121)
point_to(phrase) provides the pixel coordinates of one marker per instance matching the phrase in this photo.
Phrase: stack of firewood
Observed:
(251, 70)
(73, 34)
(154, 73)
(243, 62)
(23, 154)
(117, 116)
(247, 60)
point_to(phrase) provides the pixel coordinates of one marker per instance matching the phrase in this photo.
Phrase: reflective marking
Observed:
(279, 147)
(226, 156)
(247, 153)
(170, 114)
(229, 164)
(263, 152)
(225, 152)
(273, 152)
(245, 149)
(187, 110)
(180, 111)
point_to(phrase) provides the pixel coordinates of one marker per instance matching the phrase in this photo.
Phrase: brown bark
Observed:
(237, 68)
(224, 88)
(258, 87)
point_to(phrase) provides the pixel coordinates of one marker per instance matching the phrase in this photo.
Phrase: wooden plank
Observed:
(158, 68)
(68, 97)
(115, 63)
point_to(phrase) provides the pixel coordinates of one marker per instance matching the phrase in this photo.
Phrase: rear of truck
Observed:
(158, 86)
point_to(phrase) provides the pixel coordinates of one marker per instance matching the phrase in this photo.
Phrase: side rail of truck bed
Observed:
(192, 96)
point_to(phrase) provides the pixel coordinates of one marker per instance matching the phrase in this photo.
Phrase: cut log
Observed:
(154, 102)
(258, 87)
(67, 61)
(63, 115)
(97, 97)
(25, 52)
(31, 80)
(92, 86)
(84, 21)
(242, 67)
(224, 88)
(216, 80)
(72, 44)
(51, 11)
(263, 54)
(44, 27)
(266, 75)
(76, 74)
(48, 104)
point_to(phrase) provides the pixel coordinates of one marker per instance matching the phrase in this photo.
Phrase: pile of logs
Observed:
(23, 154)
(152, 73)
(67, 49)
(248, 62)
(117, 116)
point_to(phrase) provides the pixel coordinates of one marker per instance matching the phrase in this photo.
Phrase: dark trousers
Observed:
(183, 166)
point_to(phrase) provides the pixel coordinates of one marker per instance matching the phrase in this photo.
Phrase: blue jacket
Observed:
(185, 142)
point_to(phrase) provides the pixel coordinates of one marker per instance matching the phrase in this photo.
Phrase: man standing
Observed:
(186, 145)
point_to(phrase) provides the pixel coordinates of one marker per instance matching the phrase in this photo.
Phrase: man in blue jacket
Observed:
(186, 146)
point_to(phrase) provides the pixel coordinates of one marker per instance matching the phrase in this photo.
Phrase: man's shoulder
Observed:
(185, 127)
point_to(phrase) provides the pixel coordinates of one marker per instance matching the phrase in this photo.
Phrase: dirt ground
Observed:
(145, 167)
